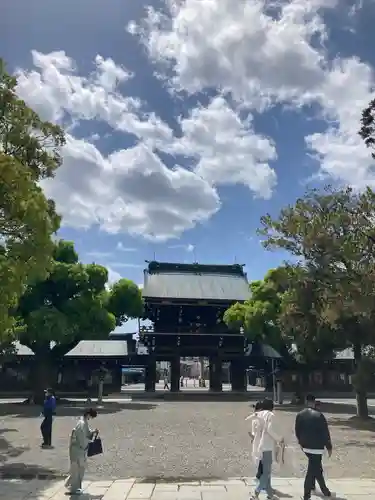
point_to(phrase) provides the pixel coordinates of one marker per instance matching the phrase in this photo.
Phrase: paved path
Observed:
(131, 489)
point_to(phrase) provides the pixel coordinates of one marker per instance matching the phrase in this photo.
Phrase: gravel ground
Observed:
(175, 440)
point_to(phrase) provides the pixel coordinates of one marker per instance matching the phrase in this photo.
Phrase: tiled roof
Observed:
(22, 350)
(345, 354)
(87, 348)
(200, 282)
(104, 348)
(263, 351)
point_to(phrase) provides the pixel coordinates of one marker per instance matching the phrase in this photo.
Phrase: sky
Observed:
(187, 120)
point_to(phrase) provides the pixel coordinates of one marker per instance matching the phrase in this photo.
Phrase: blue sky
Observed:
(188, 120)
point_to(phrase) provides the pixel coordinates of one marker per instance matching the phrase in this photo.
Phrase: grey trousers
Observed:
(77, 471)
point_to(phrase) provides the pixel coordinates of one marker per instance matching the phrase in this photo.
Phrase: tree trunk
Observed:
(42, 375)
(360, 392)
(46, 364)
(100, 391)
(362, 407)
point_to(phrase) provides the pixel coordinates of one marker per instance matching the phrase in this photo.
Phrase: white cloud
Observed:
(126, 265)
(113, 276)
(264, 52)
(248, 52)
(343, 157)
(120, 246)
(188, 248)
(98, 255)
(109, 75)
(55, 91)
(255, 53)
(228, 150)
(132, 190)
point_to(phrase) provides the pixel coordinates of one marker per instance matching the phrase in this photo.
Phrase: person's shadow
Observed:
(83, 496)
(280, 494)
(320, 495)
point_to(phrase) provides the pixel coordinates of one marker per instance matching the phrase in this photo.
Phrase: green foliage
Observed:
(234, 317)
(29, 151)
(73, 304)
(300, 318)
(333, 236)
(258, 316)
(34, 143)
(330, 297)
(125, 301)
(367, 131)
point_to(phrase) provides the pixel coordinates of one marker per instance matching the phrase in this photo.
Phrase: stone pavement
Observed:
(132, 489)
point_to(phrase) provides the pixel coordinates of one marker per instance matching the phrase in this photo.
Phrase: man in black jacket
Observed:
(313, 436)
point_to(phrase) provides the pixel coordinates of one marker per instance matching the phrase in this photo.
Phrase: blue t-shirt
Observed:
(50, 405)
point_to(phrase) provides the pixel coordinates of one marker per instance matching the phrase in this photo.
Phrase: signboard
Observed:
(128, 370)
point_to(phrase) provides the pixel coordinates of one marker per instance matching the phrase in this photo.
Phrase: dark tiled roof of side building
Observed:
(87, 348)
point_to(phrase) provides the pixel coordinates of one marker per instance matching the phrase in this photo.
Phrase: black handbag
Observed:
(95, 447)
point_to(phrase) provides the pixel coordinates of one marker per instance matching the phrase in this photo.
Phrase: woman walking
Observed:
(264, 446)
(79, 442)
(254, 427)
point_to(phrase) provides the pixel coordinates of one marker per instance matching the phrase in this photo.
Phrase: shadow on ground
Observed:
(326, 407)
(7, 450)
(356, 424)
(26, 473)
(280, 494)
(86, 496)
(70, 409)
(20, 470)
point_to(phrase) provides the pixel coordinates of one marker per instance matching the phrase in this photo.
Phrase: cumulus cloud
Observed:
(128, 191)
(132, 190)
(228, 150)
(122, 248)
(260, 51)
(188, 248)
(113, 276)
(264, 53)
(247, 55)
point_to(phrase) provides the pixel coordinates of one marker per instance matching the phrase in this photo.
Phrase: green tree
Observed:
(259, 316)
(331, 303)
(35, 143)
(71, 305)
(29, 151)
(367, 130)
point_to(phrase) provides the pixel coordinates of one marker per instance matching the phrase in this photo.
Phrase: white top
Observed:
(80, 438)
(313, 452)
(263, 430)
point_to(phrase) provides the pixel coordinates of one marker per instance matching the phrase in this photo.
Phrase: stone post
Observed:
(216, 384)
(175, 374)
(150, 375)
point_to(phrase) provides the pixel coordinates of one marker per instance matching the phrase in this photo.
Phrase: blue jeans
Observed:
(265, 478)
